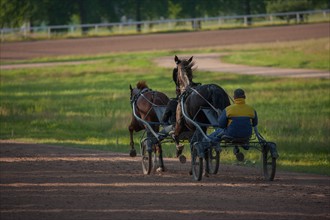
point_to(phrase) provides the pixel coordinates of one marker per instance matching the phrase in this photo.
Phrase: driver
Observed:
(236, 120)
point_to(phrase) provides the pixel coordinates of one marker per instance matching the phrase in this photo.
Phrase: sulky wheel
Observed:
(146, 158)
(268, 164)
(196, 164)
(213, 160)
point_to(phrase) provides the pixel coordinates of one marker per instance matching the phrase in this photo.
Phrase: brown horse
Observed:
(144, 99)
(195, 95)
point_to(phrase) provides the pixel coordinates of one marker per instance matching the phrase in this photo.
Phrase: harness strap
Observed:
(218, 111)
(148, 100)
(136, 96)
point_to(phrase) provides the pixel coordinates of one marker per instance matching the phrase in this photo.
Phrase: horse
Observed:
(144, 98)
(196, 95)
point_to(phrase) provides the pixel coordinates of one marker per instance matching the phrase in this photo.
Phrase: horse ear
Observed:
(130, 87)
(176, 59)
(191, 58)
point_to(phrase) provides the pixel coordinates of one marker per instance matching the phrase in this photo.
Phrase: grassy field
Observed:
(88, 105)
(310, 54)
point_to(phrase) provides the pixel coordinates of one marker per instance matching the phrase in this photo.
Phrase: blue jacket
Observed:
(238, 119)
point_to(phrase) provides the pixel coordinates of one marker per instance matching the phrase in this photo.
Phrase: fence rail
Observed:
(165, 25)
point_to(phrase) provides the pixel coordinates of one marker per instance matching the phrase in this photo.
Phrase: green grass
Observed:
(310, 54)
(88, 105)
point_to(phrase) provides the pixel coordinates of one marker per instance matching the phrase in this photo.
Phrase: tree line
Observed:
(15, 13)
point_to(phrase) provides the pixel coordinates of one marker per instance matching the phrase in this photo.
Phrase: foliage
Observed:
(275, 6)
(15, 13)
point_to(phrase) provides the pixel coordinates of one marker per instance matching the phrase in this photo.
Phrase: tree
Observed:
(174, 10)
(274, 6)
(140, 10)
(277, 6)
(15, 13)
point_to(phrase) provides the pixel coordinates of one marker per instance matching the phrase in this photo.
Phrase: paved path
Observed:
(212, 62)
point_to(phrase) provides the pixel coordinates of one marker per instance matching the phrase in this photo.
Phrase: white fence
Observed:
(164, 25)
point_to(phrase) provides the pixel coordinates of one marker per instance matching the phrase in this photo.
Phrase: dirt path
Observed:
(202, 39)
(212, 62)
(208, 62)
(54, 182)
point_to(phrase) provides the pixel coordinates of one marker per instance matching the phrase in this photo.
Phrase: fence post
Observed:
(245, 21)
(145, 27)
(24, 32)
(271, 19)
(298, 18)
(48, 32)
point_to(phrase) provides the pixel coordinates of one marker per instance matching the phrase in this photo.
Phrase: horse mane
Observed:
(141, 85)
(189, 67)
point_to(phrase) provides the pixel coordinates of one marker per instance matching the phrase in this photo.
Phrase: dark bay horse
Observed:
(144, 98)
(196, 95)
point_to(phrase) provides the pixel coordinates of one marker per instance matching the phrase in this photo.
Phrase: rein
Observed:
(218, 111)
(153, 104)
(141, 93)
(231, 99)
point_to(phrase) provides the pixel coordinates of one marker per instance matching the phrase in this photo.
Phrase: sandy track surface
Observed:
(54, 182)
(212, 62)
(90, 46)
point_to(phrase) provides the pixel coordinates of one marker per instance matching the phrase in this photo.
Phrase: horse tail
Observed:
(219, 97)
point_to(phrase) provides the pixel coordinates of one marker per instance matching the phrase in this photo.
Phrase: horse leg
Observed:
(178, 123)
(178, 130)
(161, 167)
(132, 152)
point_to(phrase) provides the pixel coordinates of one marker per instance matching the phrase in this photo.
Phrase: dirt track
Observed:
(27, 50)
(49, 182)
(54, 182)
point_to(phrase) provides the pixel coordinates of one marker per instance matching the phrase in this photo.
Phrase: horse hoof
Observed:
(132, 153)
(240, 156)
(182, 159)
(160, 169)
(178, 153)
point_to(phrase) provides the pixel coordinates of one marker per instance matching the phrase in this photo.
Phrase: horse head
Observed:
(140, 86)
(183, 73)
